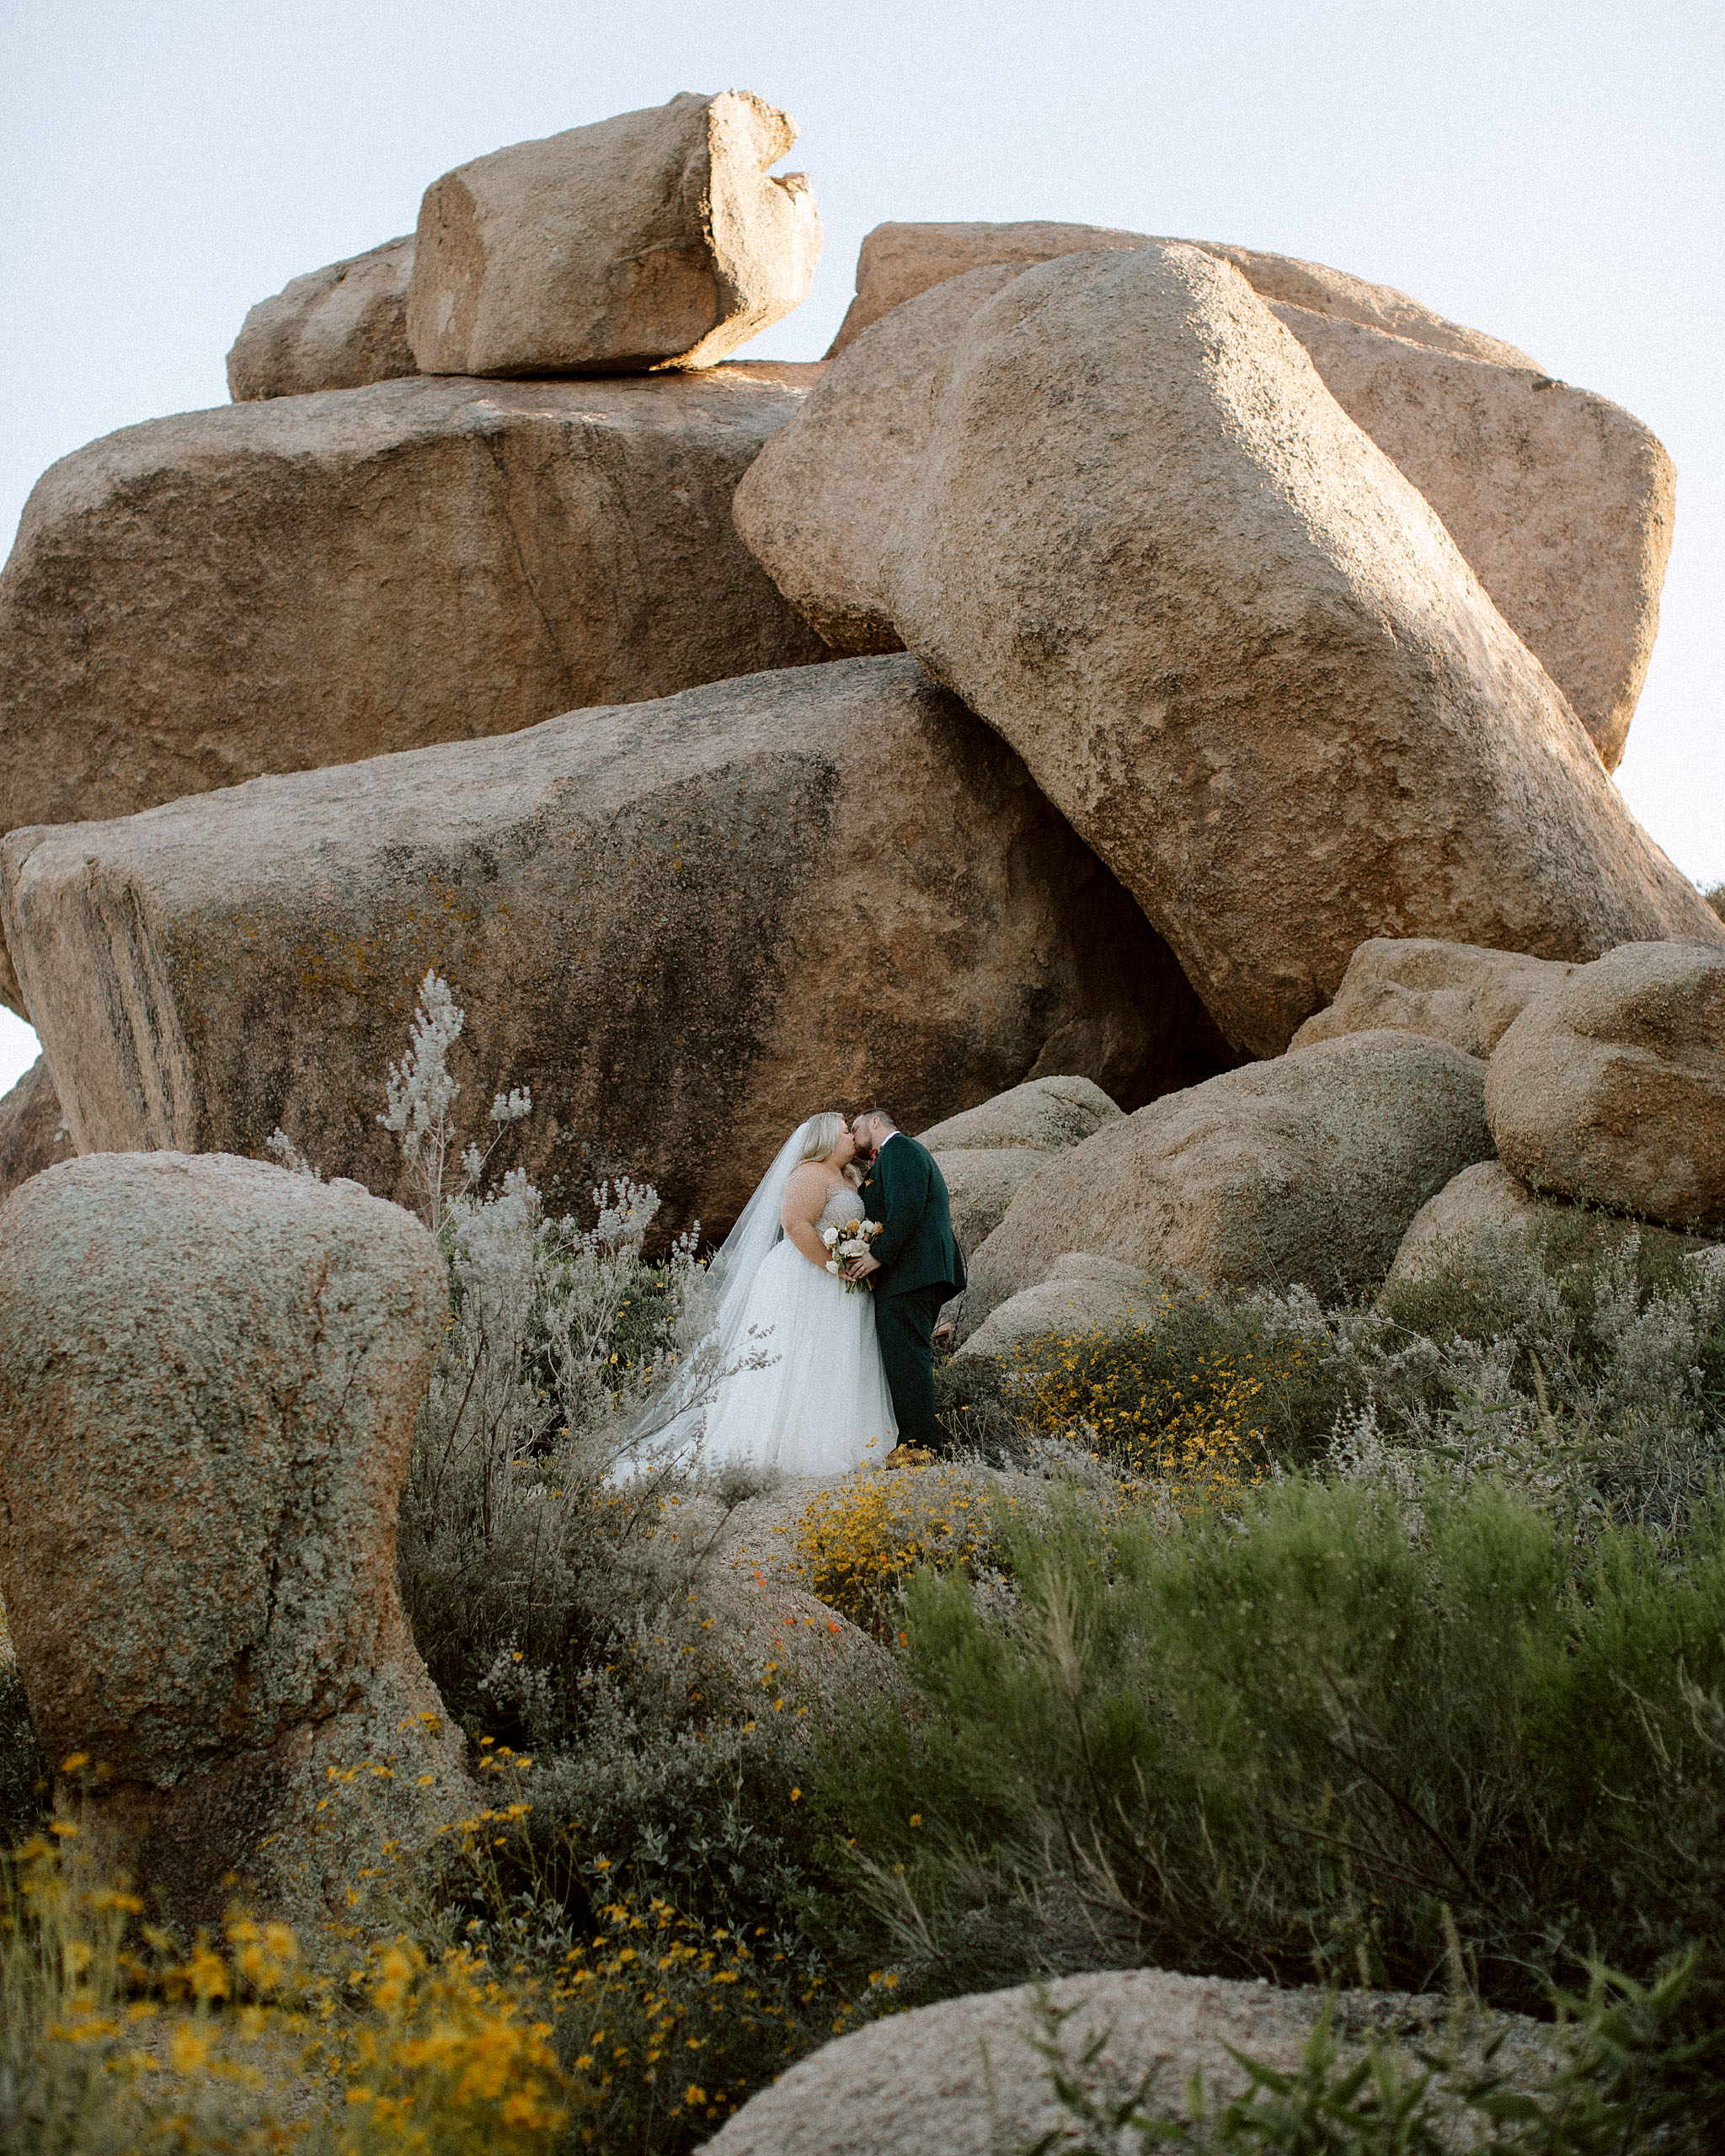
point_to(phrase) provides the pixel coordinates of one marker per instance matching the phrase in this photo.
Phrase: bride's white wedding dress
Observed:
(818, 1403)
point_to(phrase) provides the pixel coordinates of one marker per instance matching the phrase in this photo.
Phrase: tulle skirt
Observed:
(819, 1405)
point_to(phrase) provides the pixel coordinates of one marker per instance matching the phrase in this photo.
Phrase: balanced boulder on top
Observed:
(1241, 654)
(657, 238)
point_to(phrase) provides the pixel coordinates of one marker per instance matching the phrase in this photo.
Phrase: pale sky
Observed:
(1554, 174)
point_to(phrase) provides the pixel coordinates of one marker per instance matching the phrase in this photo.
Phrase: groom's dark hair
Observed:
(884, 1115)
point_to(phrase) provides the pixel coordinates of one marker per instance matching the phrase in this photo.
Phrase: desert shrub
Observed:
(113, 2039)
(1625, 2075)
(24, 1770)
(1312, 1742)
(861, 1543)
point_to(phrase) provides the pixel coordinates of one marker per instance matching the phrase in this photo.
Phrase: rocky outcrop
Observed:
(1560, 502)
(817, 506)
(971, 2076)
(310, 580)
(33, 1131)
(1045, 1115)
(1479, 1205)
(233, 1355)
(657, 238)
(338, 327)
(1306, 1170)
(819, 887)
(899, 261)
(1151, 549)
(1610, 1086)
(1454, 992)
(1081, 1294)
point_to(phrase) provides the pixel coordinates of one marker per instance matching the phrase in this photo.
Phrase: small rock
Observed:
(209, 1373)
(334, 328)
(657, 238)
(1046, 1114)
(1081, 1293)
(1610, 1086)
(1454, 992)
(1303, 1170)
(1483, 1201)
(981, 1181)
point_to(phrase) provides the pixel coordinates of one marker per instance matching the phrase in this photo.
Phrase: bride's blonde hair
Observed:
(823, 1135)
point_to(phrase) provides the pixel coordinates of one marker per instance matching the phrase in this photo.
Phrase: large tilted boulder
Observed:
(1610, 1086)
(684, 925)
(971, 2076)
(899, 261)
(657, 238)
(1560, 502)
(1306, 1170)
(309, 580)
(1148, 547)
(338, 328)
(818, 513)
(1455, 992)
(209, 1372)
(33, 1128)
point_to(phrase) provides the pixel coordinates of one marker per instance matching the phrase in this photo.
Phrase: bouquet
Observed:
(852, 1240)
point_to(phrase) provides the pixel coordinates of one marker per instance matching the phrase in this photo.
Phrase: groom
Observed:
(916, 1257)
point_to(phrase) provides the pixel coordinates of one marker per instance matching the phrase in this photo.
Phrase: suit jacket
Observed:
(906, 1192)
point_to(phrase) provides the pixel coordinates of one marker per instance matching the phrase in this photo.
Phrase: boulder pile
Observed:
(1142, 709)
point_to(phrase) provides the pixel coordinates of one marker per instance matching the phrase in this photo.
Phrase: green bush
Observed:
(1319, 1740)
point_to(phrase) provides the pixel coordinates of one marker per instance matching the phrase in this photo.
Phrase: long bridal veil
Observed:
(714, 1334)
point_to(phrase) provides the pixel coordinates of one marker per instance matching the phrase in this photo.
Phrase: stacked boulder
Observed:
(1449, 1094)
(1117, 641)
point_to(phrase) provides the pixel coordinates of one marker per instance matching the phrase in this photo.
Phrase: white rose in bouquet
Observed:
(828, 1236)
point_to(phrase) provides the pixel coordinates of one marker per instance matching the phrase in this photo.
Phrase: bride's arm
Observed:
(804, 1201)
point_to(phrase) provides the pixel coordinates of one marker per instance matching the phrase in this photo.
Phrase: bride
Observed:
(800, 1384)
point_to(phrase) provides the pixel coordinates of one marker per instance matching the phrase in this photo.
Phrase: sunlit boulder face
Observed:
(1241, 652)
(655, 238)
(685, 925)
(312, 580)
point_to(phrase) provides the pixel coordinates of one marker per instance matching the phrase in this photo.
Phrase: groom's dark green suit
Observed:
(921, 1268)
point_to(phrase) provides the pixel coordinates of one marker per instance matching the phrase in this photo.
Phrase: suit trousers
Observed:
(903, 1325)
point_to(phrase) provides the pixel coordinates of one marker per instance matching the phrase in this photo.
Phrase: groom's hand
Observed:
(859, 1268)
